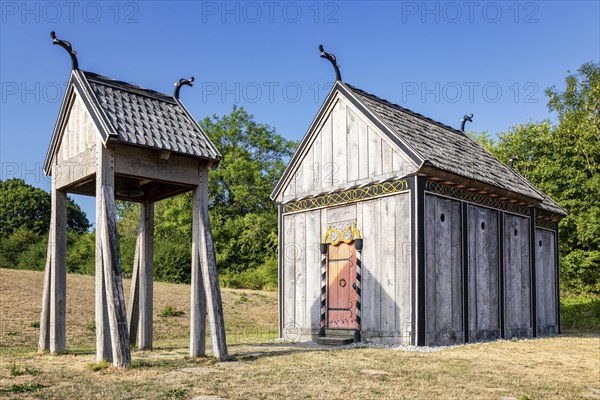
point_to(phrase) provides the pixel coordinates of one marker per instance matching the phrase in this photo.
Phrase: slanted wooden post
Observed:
(146, 276)
(198, 297)
(52, 321)
(103, 342)
(204, 241)
(133, 306)
(111, 258)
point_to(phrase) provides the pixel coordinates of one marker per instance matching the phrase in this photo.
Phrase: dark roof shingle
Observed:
(448, 149)
(145, 117)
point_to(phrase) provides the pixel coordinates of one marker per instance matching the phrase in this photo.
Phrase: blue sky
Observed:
(443, 59)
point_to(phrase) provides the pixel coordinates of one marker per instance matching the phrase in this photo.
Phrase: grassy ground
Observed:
(565, 367)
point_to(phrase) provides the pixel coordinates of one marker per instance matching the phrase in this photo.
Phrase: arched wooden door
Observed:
(341, 286)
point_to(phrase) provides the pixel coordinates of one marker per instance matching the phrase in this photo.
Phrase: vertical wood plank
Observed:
(456, 334)
(404, 290)
(313, 269)
(317, 169)
(386, 158)
(389, 265)
(300, 267)
(307, 173)
(146, 284)
(58, 273)
(340, 145)
(375, 167)
(197, 294)
(327, 165)
(353, 150)
(363, 149)
(214, 305)
(431, 227)
(371, 257)
(289, 266)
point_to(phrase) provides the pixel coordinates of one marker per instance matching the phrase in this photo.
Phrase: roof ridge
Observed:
(403, 109)
(127, 86)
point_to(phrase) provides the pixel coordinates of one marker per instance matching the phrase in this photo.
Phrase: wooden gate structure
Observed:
(118, 141)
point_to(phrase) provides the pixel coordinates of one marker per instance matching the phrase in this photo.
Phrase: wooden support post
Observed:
(103, 342)
(57, 243)
(418, 249)
(44, 341)
(133, 314)
(111, 259)
(198, 297)
(208, 262)
(146, 277)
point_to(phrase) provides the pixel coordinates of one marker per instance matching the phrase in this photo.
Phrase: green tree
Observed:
(23, 206)
(243, 218)
(563, 160)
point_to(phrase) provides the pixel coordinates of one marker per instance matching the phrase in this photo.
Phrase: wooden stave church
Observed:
(456, 264)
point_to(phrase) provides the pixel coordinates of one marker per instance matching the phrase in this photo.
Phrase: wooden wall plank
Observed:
(353, 158)
(375, 167)
(327, 166)
(306, 183)
(545, 282)
(363, 149)
(300, 268)
(313, 270)
(317, 170)
(340, 145)
(371, 258)
(516, 276)
(483, 274)
(404, 288)
(386, 158)
(388, 265)
(443, 272)
(289, 271)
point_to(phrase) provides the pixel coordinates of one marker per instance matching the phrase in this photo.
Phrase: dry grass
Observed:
(566, 367)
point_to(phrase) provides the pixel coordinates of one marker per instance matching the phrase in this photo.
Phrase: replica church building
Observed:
(398, 229)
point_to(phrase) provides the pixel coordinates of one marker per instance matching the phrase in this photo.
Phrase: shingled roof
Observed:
(448, 149)
(131, 114)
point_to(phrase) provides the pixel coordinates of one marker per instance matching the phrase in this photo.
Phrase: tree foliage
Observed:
(243, 218)
(24, 206)
(563, 160)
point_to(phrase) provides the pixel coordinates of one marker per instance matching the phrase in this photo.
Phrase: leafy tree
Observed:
(563, 160)
(243, 218)
(23, 206)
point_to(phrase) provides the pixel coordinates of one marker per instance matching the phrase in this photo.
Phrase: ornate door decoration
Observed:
(341, 278)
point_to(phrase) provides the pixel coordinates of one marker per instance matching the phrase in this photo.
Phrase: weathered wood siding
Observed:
(347, 150)
(76, 155)
(483, 267)
(517, 277)
(443, 272)
(545, 276)
(386, 280)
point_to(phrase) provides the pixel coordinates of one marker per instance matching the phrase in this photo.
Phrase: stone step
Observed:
(335, 340)
(339, 332)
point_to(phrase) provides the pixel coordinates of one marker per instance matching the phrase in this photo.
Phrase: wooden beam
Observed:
(210, 276)
(198, 297)
(58, 270)
(146, 277)
(108, 237)
(44, 341)
(133, 314)
(117, 316)
(103, 175)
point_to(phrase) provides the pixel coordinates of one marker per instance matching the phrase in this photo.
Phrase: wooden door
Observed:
(341, 278)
